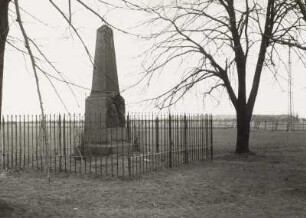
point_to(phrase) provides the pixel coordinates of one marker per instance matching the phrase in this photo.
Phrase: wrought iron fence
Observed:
(263, 125)
(144, 144)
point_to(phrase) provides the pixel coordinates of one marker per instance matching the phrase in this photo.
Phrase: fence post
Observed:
(185, 140)
(128, 128)
(2, 126)
(207, 136)
(211, 138)
(170, 142)
(64, 142)
(202, 136)
(157, 134)
(60, 142)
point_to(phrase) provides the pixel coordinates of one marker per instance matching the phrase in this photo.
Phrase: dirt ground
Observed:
(270, 184)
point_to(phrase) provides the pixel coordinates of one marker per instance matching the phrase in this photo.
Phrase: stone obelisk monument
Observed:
(104, 108)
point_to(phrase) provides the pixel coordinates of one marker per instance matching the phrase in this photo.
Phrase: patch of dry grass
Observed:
(270, 184)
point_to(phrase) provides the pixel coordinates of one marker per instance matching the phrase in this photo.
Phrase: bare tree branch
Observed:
(34, 67)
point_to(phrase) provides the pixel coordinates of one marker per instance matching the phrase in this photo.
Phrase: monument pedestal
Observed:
(96, 111)
(105, 132)
(106, 149)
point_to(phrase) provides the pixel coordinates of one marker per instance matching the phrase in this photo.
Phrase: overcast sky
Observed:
(53, 35)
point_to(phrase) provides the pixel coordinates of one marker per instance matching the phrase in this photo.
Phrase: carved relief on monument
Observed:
(115, 111)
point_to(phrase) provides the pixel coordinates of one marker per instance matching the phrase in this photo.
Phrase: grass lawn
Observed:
(270, 184)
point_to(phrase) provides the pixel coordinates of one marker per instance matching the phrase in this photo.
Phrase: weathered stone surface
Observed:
(105, 77)
(105, 107)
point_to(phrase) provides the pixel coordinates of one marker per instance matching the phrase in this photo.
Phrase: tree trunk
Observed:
(243, 130)
(4, 28)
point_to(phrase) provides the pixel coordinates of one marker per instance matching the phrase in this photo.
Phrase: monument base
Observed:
(104, 131)
(98, 150)
(105, 135)
(96, 111)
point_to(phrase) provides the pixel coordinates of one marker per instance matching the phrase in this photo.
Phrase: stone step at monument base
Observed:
(106, 149)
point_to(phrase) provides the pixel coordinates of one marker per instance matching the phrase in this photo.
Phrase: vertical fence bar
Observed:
(32, 140)
(3, 143)
(55, 142)
(207, 136)
(133, 138)
(129, 142)
(146, 141)
(12, 141)
(166, 140)
(87, 139)
(194, 120)
(98, 126)
(157, 134)
(141, 145)
(81, 123)
(36, 140)
(117, 149)
(176, 140)
(8, 140)
(136, 124)
(48, 149)
(29, 139)
(123, 151)
(202, 136)
(60, 142)
(148, 132)
(197, 136)
(199, 121)
(190, 139)
(42, 142)
(181, 139)
(170, 142)
(64, 143)
(70, 142)
(15, 137)
(211, 138)
(112, 156)
(185, 140)
(20, 141)
(152, 144)
(51, 142)
(194, 125)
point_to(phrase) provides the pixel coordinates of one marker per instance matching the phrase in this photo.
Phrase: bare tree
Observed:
(65, 13)
(36, 53)
(221, 44)
(4, 28)
(302, 7)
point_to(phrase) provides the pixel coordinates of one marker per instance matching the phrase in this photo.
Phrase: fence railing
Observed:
(263, 125)
(145, 143)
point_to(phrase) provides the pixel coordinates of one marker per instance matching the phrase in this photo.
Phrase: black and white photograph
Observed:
(153, 108)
